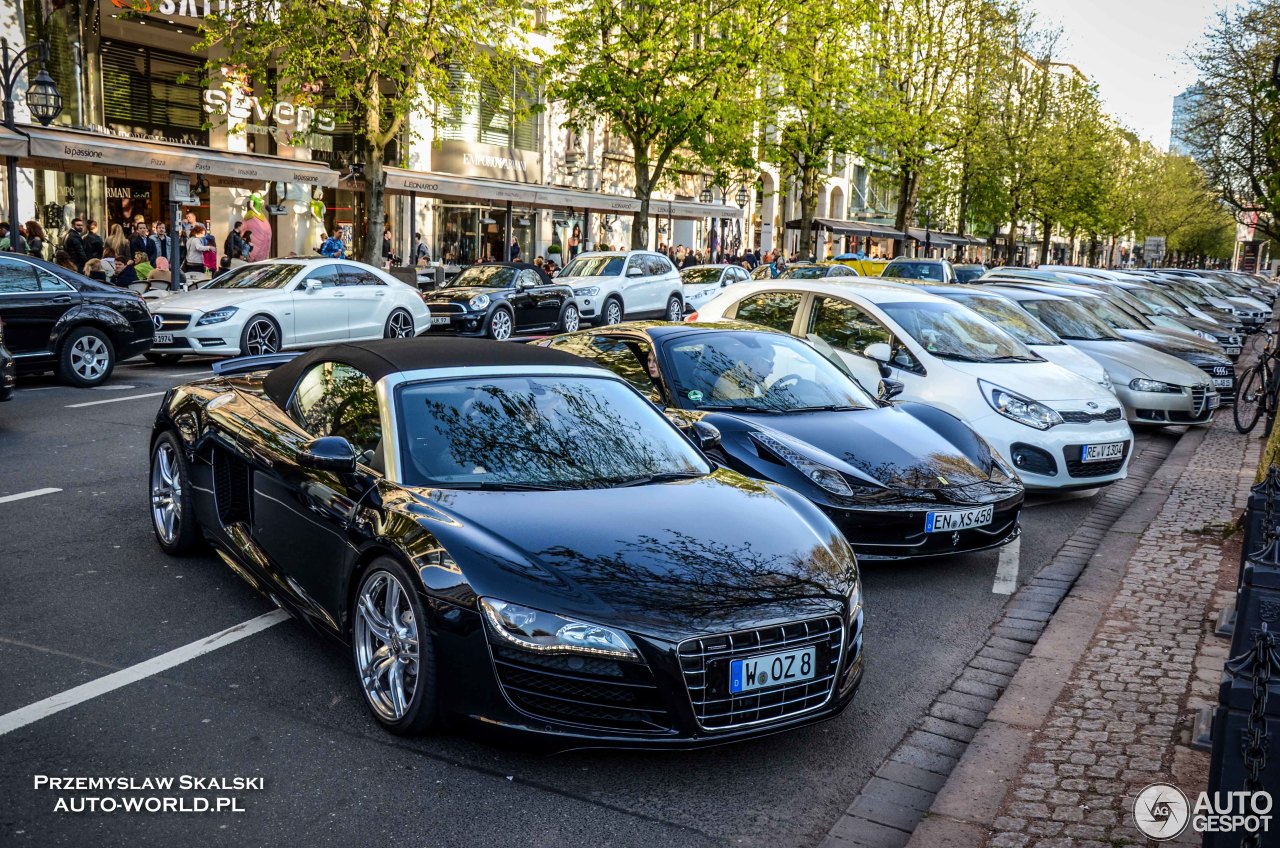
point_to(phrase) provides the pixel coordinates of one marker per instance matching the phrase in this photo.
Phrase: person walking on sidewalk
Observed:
(36, 239)
(196, 249)
(333, 248)
(234, 245)
(159, 243)
(73, 244)
(93, 243)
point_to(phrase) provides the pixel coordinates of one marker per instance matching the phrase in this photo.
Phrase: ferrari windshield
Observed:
(594, 266)
(914, 271)
(1069, 321)
(701, 275)
(537, 432)
(950, 331)
(764, 372)
(484, 277)
(257, 277)
(804, 272)
(1009, 317)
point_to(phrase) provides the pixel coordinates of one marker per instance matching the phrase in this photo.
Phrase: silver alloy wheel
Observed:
(571, 319)
(399, 325)
(675, 310)
(261, 337)
(166, 492)
(500, 325)
(612, 312)
(386, 645)
(90, 358)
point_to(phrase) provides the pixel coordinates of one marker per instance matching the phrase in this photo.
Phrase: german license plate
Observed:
(1222, 382)
(960, 519)
(1102, 453)
(778, 669)
(164, 338)
(1215, 401)
(1233, 350)
(436, 322)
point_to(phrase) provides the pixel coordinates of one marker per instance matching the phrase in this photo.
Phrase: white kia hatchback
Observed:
(286, 303)
(1058, 429)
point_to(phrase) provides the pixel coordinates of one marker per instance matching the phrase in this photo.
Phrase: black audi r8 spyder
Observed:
(500, 299)
(902, 480)
(501, 534)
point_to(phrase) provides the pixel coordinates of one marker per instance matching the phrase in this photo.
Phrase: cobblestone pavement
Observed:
(1123, 720)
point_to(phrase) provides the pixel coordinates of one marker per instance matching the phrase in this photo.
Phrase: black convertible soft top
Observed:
(391, 356)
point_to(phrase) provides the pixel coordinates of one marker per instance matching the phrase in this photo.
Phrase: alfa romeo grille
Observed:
(705, 662)
(1198, 394)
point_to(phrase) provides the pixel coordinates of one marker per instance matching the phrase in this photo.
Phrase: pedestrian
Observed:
(515, 249)
(539, 263)
(333, 247)
(64, 260)
(5, 238)
(160, 242)
(108, 261)
(420, 252)
(233, 245)
(388, 255)
(93, 244)
(73, 244)
(161, 273)
(246, 245)
(142, 265)
(93, 270)
(196, 249)
(210, 255)
(118, 241)
(575, 239)
(138, 241)
(36, 239)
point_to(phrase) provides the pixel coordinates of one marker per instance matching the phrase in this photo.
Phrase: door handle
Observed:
(379, 294)
(62, 299)
(339, 294)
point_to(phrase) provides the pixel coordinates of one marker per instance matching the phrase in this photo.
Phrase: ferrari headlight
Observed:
(217, 316)
(1019, 408)
(480, 301)
(587, 291)
(545, 632)
(1142, 384)
(1106, 383)
(827, 478)
(1209, 337)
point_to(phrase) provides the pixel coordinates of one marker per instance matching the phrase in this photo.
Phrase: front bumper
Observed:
(459, 323)
(8, 376)
(221, 339)
(1194, 405)
(898, 533)
(1048, 459)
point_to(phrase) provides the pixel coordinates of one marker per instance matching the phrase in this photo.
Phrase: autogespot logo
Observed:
(1161, 811)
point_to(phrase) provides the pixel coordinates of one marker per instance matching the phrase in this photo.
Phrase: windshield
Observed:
(1113, 315)
(968, 275)
(804, 272)
(950, 331)
(701, 275)
(594, 266)
(747, 371)
(483, 277)
(1069, 321)
(1009, 318)
(553, 432)
(914, 271)
(1158, 302)
(256, 277)
(1170, 324)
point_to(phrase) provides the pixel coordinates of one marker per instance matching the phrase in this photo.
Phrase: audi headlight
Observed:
(217, 316)
(1142, 384)
(827, 478)
(545, 632)
(1209, 337)
(480, 301)
(1019, 408)
(587, 291)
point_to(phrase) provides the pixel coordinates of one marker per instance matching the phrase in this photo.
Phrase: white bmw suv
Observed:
(613, 287)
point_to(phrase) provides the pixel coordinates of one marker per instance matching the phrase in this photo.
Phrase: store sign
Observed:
(184, 8)
(299, 123)
(468, 159)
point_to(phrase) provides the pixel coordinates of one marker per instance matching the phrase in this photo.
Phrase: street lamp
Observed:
(741, 196)
(705, 197)
(43, 100)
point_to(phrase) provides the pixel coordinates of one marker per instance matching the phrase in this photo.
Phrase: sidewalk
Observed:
(1104, 704)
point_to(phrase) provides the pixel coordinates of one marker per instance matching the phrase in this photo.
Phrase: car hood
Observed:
(1175, 343)
(671, 560)
(1125, 360)
(1042, 381)
(581, 282)
(1065, 356)
(462, 295)
(205, 300)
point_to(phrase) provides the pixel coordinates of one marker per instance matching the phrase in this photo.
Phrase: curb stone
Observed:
(977, 733)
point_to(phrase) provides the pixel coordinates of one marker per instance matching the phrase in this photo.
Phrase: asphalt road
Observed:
(85, 591)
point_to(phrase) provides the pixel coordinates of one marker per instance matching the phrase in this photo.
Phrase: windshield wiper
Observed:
(1012, 359)
(740, 407)
(503, 487)
(665, 477)
(830, 407)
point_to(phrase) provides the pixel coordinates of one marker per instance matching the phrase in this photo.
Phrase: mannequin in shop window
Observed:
(575, 239)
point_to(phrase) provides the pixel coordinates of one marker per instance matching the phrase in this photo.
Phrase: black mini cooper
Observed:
(499, 299)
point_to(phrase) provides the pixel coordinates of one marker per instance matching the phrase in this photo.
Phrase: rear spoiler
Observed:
(245, 364)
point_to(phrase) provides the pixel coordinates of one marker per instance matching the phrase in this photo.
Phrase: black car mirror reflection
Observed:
(890, 389)
(328, 453)
(705, 436)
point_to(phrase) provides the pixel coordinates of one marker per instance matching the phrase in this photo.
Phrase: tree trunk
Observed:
(1045, 240)
(1011, 243)
(808, 210)
(963, 213)
(908, 190)
(375, 194)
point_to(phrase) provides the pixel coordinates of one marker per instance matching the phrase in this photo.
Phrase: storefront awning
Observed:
(861, 229)
(402, 181)
(12, 144)
(936, 238)
(115, 156)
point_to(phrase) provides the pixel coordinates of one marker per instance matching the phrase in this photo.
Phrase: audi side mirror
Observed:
(328, 453)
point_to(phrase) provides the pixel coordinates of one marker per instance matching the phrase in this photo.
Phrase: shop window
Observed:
(485, 114)
(143, 98)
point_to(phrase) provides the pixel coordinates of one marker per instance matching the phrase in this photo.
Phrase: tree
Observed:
(1234, 132)
(675, 79)
(376, 62)
(813, 74)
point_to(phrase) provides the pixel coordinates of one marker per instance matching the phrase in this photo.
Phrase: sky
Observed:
(1135, 50)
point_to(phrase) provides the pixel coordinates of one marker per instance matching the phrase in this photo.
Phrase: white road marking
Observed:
(148, 668)
(34, 493)
(1007, 569)
(112, 388)
(113, 400)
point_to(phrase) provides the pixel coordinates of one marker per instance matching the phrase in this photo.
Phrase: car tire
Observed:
(86, 357)
(570, 319)
(500, 325)
(399, 325)
(675, 309)
(409, 655)
(260, 335)
(162, 358)
(612, 312)
(172, 514)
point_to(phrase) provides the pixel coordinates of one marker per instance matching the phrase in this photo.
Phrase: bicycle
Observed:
(1259, 389)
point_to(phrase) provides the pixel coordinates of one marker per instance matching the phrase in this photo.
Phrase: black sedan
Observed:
(502, 535)
(57, 320)
(901, 480)
(500, 299)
